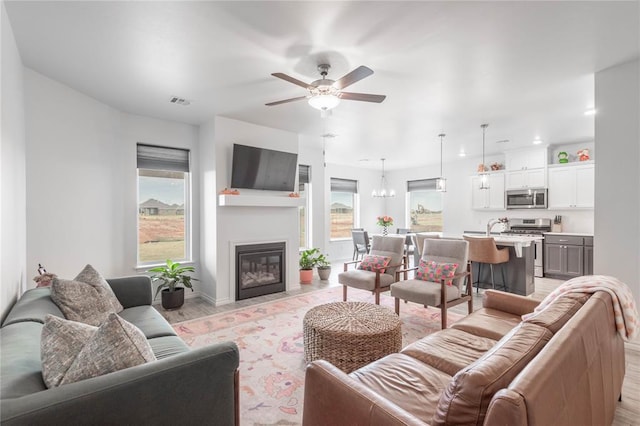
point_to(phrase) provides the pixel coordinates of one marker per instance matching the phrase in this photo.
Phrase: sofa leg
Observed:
(620, 398)
(344, 293)
(397, 306)
(236, 396)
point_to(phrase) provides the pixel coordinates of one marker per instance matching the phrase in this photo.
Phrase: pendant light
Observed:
(484, 177)
(441, 182)
(383, 192)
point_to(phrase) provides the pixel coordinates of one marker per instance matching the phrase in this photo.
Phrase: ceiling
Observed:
(526, 68)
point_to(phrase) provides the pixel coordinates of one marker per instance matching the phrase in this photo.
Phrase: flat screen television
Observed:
(267, 169)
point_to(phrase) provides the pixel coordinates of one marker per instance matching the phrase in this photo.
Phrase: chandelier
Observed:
(383, 192)
(441, 182)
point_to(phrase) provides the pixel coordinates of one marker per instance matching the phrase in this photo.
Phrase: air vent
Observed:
(179, 101)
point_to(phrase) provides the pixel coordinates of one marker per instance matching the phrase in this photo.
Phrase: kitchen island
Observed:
(519, 270)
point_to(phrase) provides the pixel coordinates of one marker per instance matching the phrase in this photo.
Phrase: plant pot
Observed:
(324, 273)
(306, 276)
(172, 299)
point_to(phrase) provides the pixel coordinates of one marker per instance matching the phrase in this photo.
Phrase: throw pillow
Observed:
(434, 271)
(90, 276)
(115, 345)
(88, 298)
(61, 341)
(373, 263)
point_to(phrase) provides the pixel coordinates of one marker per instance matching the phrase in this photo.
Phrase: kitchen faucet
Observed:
(493, 222)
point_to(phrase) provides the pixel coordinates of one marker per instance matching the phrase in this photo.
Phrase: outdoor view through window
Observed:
(342, 218)
(425, 211)
(161, 215)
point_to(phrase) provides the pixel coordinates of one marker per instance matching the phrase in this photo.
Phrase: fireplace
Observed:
(260, 269)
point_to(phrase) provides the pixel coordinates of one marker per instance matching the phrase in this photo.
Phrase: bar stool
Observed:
(484, 250)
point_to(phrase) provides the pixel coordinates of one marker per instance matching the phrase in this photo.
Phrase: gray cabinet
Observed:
(567, 256)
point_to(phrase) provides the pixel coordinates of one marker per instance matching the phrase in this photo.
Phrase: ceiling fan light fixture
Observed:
(324, 102)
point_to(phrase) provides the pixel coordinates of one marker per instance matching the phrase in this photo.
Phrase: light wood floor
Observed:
(627, 413)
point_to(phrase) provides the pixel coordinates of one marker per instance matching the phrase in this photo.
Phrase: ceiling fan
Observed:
(325, 94)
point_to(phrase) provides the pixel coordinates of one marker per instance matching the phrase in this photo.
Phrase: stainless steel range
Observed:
(532, 228)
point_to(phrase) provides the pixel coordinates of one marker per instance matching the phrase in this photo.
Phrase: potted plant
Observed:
(307, 262)
(323, 266)
(172, 276)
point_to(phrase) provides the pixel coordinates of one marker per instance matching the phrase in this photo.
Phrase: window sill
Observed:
(337, 240)
(146, 266)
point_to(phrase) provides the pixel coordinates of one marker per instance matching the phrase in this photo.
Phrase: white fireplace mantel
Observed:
(226, 200)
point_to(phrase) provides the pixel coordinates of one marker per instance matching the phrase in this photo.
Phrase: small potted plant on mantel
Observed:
(307, 262)
(172, 277)
(323, 266)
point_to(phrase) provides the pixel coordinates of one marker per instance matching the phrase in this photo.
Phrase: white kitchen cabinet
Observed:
(571, 187)
(529, 178)
(524, 159)
(488, 199)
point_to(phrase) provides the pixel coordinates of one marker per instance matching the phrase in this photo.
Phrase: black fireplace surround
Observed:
(260, 269)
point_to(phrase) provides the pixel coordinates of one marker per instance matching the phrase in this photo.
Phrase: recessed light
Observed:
(590, 111)
(462, 153)
(537, 141)
(364, 159)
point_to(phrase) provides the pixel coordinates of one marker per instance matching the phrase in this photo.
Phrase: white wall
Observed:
(310, 153)
(13, 267)
(617, 223)
(81, 179)
(208, 211)
(245, 225)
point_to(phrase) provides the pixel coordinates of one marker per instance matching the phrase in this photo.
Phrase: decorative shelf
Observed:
(225, 200)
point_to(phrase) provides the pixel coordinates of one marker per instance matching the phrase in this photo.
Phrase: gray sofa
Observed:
(182, 387)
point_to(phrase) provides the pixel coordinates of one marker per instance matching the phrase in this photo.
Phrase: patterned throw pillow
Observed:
(88, 298)
(434, 271)
(115, 345)
(60, 343)
(372, 263)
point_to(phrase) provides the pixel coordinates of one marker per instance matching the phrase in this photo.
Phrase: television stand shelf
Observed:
(225, 200)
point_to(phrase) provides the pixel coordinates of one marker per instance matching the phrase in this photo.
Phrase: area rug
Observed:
(269, 336)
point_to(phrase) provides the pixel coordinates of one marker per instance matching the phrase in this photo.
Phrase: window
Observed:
(304, 188)
(424, 205)
(344, 198)
(163, 204)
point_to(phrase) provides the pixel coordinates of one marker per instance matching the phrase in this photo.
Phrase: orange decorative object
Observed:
(294, 195)
(482, 168)
(583, 155)
(228, 191)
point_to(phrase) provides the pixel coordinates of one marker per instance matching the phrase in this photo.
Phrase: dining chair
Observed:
(451, 289)
(377, 271)
(361, 245)
(418, 243)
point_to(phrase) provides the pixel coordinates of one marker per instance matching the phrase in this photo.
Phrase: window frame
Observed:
(356, 206)
(188, 220)
(421, 185)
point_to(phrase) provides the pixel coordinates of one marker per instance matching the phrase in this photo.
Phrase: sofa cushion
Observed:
(467, 397)
(61, 342)
(149, 321)
(405, 381)
(166, 346)
(487, 322)
(449, 350)
(33, 305)
(80, 301)
(20, 366)
(426, 293)
(556, 315)
(116, 345)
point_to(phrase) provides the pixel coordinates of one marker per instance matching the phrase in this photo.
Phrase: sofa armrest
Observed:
(132, 291)
(331, 397)
(508, 302)
(199, 386)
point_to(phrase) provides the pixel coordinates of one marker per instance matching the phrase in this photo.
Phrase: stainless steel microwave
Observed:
(534, 198)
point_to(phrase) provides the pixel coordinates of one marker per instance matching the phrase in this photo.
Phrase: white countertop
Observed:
(576, 234)
(515, 241)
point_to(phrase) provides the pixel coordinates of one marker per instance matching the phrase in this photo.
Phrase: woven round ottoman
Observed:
(350, 334)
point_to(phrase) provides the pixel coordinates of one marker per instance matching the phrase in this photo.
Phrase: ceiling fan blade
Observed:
(354, 76)
(299, 98)
(290, 79)
(366, 97)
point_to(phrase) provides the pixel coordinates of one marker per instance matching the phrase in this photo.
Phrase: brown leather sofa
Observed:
(564, 366)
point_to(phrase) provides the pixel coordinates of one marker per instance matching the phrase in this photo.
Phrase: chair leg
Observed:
(397, 306)
(493, 283)
(355, 252)
(443, 317)
(377, 297)
(504, 278)
(344, 293)
(479, 275)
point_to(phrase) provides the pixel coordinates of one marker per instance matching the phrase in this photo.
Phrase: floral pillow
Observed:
(434, 271)
(372, 263)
